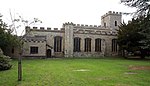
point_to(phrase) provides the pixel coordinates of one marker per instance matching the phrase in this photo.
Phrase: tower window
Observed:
(115, 23)
(104, 24)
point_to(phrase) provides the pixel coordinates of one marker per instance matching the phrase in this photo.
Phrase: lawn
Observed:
(79, 72)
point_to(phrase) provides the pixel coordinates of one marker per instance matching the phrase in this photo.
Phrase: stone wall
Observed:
(106, 41)
(70, 31)
(39, 42)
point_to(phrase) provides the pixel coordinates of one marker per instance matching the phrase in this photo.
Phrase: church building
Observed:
(74, 40)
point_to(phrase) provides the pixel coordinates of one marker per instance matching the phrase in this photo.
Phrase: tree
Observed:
(145, 31)
(142, 13)
(25, 22)
(129, 36)
(7, 40)
(135, 36)
(143, 6)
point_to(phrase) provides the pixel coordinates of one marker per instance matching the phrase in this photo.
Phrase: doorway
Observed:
(49, 53)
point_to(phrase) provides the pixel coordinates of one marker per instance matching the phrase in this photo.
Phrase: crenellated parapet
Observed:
(68, 23)
(81, 25)
(86, 26)
(27, 28)
(111, 13)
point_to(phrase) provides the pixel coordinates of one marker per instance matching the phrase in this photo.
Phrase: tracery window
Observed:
(57, 44)
(98, 45)
(77, 44)
(114, 45)
(87, 45)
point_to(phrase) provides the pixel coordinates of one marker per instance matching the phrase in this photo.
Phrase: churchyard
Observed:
(106, 71)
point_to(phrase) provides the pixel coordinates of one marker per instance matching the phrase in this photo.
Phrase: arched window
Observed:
(98, 45)
(76, 44)
(114, 45)
(115, 23)
(87, 45)
(57, 44)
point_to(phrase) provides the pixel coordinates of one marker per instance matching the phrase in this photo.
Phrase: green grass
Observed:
(66, 72)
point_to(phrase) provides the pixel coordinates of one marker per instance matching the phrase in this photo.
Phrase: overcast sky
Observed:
(55, 12)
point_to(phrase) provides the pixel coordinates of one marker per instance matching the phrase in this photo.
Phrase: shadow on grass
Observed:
(138, 58)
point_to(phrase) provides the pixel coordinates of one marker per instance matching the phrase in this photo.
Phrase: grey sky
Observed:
(55, 12)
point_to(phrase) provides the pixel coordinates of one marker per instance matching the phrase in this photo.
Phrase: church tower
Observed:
(111, 20)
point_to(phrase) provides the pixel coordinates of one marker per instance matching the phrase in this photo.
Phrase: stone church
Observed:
(74, 40)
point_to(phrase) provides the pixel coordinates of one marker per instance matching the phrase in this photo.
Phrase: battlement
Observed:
(81, 25)
(86, 26)
(28, 28)
(111, 13)
(68, 23)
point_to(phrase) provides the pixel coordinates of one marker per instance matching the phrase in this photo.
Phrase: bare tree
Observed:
(18, 23)
(143, 6)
